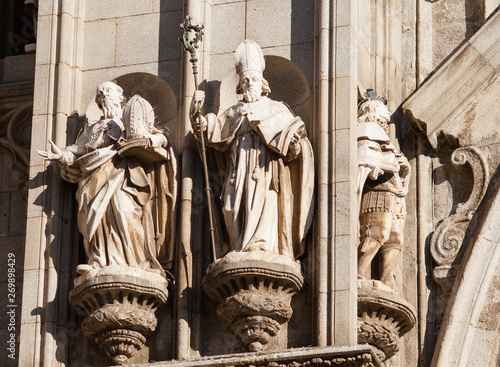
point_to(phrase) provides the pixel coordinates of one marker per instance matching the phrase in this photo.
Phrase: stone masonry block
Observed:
(42, 90)
(169, 46)
(345, 263)
(344, 9)
(44, 38)
(99, 43)
(95, 9)
(31, 312)
(33, 238)
(343, 140)
(148, 38)
(343, 50)
(281, 22)
(17, 215)
(227, 17)
(4, 212)
(162, 5)
(343, 208)
(345, 332)
(345, 103)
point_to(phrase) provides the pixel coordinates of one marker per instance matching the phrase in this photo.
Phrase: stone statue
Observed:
(126, 174)
(267, 164)
(383, 178)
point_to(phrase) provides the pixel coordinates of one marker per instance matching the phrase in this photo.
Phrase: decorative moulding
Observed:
(448, 104)
(354, 356)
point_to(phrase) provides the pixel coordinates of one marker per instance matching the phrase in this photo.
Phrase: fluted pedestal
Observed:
(118, 304)
(254, 291)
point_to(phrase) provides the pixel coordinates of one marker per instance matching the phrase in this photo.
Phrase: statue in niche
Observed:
(266, 162)
(126, 174)
(383, 179)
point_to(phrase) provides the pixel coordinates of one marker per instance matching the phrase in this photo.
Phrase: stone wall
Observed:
(320, 57)
(16, 94)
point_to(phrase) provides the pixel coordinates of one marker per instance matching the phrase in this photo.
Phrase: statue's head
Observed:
(250, 65)
(374, 110)
(109, 98)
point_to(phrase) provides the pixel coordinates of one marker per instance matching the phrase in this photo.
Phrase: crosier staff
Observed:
(191, 45)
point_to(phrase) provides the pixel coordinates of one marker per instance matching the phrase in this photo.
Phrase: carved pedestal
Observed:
(254, 291)
(119, 305)
(383, 317)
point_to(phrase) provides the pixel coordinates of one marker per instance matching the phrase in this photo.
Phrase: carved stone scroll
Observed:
(447, 239)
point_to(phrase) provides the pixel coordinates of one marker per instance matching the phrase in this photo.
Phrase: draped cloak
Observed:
(125, 208)
(267, 197)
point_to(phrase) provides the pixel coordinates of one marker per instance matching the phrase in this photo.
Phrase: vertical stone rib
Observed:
(323, 73)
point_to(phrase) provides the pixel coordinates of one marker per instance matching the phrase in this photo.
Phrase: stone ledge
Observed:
(359, 355)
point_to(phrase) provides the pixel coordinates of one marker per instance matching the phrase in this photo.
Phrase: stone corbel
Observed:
(447, 240)
(254, 291)
(118, 306)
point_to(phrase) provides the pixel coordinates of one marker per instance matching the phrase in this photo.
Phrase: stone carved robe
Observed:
(267, 197)
(125, 208)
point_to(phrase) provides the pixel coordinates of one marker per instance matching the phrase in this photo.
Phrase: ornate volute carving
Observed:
(447, 239)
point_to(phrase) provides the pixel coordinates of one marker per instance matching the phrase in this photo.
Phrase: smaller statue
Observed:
(126, 174)
(383, 179)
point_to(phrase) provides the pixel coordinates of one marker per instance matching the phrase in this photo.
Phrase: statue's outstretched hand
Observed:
(53, 154)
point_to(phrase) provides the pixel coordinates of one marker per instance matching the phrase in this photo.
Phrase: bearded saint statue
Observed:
(126, 174)
(266, 165)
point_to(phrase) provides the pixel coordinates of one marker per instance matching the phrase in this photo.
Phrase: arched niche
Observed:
(155, 90)
(287, 81)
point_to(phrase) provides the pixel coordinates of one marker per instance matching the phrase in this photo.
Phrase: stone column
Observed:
(335, 143)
